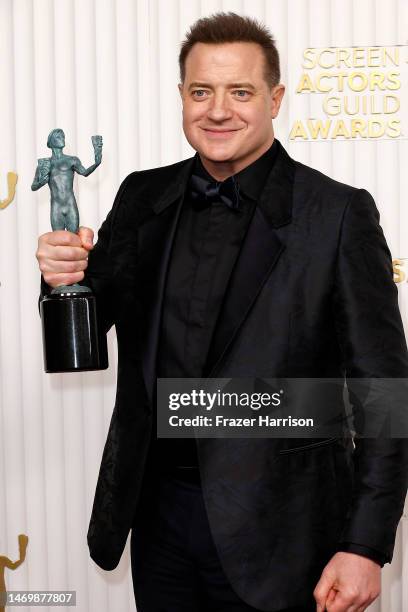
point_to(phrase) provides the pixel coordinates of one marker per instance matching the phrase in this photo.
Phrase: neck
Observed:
(56, 152)
(220, 171)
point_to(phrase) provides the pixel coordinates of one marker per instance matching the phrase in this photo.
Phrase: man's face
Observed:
(228, 106)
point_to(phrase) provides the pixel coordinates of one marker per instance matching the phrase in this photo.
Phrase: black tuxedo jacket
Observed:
(311, 295)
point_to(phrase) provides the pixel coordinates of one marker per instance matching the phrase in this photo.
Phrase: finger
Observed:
(343, 603)
(61, 238)
(60, 253)
(357, 608)
(55, 280)
(62, 267)
(86, 235)
(321, 591)
(361, 607)
(331, 596)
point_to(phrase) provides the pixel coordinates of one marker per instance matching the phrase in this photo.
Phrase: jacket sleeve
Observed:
(107, 258)
(363, 551)
(371, 337)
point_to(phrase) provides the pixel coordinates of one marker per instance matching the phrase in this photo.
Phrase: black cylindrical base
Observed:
(72, 341)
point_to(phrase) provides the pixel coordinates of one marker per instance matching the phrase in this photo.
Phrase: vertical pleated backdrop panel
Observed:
(110, 67)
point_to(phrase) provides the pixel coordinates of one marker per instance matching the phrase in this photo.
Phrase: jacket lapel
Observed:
(157, 235)
(260, 252)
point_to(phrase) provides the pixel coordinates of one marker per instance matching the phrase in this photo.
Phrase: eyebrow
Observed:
(230, 86)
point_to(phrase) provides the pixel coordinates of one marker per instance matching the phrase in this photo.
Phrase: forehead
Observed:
(240, 60)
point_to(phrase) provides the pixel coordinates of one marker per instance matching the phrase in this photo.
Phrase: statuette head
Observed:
(56, 139)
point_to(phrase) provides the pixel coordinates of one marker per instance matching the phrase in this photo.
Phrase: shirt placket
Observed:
(202, 286)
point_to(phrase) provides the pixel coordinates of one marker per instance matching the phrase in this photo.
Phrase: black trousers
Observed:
(175, 566)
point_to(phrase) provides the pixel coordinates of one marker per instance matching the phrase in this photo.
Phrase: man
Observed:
(240, 262)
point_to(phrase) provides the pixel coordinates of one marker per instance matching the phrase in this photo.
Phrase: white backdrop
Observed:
(110, 67)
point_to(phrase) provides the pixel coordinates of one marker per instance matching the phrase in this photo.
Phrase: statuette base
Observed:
(72, 341)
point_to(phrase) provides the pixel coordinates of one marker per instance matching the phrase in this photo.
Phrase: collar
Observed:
(251, 179)
(274, 195)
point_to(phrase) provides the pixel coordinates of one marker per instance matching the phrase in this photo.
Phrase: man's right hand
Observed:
(63, 256)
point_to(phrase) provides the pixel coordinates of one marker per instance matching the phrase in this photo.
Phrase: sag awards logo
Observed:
(6, 563)
(11, 184)
(399, 274)
(351, 93)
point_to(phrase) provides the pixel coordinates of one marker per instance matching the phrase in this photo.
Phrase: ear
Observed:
(277, 93)
(180, 88)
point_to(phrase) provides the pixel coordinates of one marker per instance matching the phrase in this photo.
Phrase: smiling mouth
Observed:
(219, 133)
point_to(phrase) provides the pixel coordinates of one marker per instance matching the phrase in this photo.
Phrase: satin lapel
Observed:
(259, 254)
(157, 236)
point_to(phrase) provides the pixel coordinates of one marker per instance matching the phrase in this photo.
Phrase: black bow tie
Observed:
(204, 192)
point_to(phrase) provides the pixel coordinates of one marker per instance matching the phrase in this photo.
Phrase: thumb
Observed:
(322, 589)
(86, 235)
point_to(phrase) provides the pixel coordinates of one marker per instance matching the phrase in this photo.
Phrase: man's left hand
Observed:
(349, 583)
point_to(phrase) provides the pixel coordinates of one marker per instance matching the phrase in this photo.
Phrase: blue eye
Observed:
(199, 93)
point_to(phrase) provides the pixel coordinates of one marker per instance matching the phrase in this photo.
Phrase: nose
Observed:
(219, 109)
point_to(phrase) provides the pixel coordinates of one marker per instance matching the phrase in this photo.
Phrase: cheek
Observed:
(254, 116)
(191, 120)
(192, 113)
(261, 122)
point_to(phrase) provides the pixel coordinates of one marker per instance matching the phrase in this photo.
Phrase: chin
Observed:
(217, 154)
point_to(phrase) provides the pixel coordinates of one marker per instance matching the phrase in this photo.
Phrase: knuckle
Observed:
(72, 254)
(318, 593)
(63, 237)
(68, 253)
(352, 594)
(71, 266)
(67, 238)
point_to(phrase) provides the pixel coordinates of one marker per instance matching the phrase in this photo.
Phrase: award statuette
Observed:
(72, 340)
